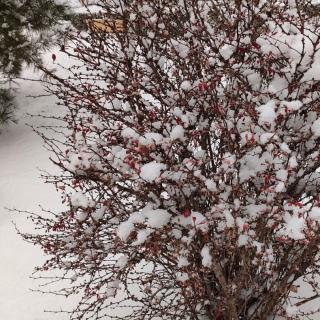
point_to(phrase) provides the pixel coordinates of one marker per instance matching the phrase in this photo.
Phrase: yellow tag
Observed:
(108, 26)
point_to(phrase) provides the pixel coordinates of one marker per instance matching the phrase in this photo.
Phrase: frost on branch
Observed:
(190, 161)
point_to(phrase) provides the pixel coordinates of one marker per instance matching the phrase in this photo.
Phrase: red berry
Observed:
(186, 213)
(245, 227)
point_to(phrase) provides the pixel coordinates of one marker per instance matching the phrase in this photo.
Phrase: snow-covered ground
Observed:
(21, 154)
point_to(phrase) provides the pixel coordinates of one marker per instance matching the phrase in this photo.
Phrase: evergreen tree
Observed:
(6, 106)
(25, 31)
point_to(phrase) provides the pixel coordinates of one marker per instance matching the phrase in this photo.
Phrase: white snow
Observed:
(267, 113)
(124, 230)
(122, 262)
(277, 85)
(182, 276)
(150, 138)
(21, 154)
(226, 51)
(291, 105)
(81, 216)
(79, 199)
(254, 80)
(211, 185)
(152, 218)
(293, 162)
(315, 128)
(229, 219)
(142, 236)
(291, 310)
(280, 187)
(313, 73)
(181, 48)
(182, 262)
(243, 240)
(151, 171)
(177, 133)
(315, 214)
(285, 148)
(98, 213)
(206, 257)
(156, 218)
(186, 85)
(129, 133)
(294, 226)
(266, 137)
(282, 175)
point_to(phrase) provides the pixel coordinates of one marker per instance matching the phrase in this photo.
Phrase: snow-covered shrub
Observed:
(190, 160)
